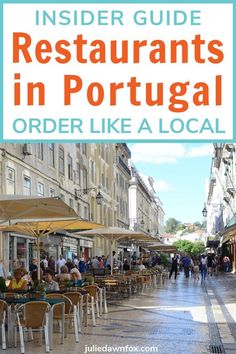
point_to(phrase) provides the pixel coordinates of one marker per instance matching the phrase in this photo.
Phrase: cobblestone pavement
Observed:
(180, 317)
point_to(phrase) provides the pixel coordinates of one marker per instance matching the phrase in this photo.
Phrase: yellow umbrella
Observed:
(32, 208)
(42, 228)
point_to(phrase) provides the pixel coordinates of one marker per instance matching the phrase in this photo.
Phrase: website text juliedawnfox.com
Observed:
(119, 349)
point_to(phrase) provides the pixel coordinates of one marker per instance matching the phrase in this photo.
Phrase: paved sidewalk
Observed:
(179, 317)
(222, 294)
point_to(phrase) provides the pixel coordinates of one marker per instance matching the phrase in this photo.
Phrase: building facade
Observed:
(145, 208)
(221, 202)
(44, 170)
(77, 173)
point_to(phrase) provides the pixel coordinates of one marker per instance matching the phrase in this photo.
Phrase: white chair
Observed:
(32, 317)
(93, 299)
(3, 311)
(70, 314)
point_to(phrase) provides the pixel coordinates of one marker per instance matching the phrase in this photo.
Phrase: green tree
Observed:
(197, 248)
(171, 225)
(189, 247)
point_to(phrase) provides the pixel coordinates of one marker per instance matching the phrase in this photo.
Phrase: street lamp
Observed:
(204, 211)
(99, 196)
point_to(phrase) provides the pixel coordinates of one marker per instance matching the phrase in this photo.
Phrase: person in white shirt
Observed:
(76, 262)
(60, 263)
(203, 264)
(108, 262)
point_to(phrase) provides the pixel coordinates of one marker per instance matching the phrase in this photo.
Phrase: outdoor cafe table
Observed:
(22, 300)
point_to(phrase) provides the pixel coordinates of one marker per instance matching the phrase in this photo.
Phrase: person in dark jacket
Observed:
(82, 265)
(174, 266)
(186, 264)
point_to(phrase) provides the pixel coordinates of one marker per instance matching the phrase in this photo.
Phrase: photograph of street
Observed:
(118, 247)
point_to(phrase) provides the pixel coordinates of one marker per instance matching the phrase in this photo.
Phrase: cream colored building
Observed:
(102, 174)
(77, 173)
(45, 170)
(123, 176)
(145, 208)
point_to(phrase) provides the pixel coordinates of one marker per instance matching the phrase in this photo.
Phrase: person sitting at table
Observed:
(34, 277)
(76, 277)
(50, 284)
(26, 275)
(64, 275)
(18, 282)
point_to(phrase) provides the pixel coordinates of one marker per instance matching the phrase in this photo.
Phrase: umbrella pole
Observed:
(38, 257)
(122, 260)
(111, 255)
(130, 256)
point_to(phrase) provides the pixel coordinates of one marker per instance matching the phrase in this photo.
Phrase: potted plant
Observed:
(40, 291)
(90, 280)
(3, 287)
(68, 284)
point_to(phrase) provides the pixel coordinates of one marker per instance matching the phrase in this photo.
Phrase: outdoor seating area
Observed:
(45, 301)
(23, 314)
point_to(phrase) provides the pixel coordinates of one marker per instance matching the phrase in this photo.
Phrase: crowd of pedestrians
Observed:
(199, 266)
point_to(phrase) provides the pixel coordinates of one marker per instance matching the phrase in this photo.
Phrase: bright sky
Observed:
(181, 172)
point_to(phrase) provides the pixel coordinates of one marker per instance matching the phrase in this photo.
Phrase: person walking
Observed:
(60, 263)
(52, 264)
(82, 265)
(186, 265)
(203, 267)
(226, 264)
(174, 266)
(195, 270)
(210, 258)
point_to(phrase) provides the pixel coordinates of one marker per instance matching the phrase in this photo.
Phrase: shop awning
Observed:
(17, 208)
(159, 246)
(227, 234)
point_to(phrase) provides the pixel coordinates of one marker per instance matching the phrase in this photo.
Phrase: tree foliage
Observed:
(171, 225)
(189, 247)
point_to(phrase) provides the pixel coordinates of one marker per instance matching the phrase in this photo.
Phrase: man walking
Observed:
(174, 266)
(186, 265)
